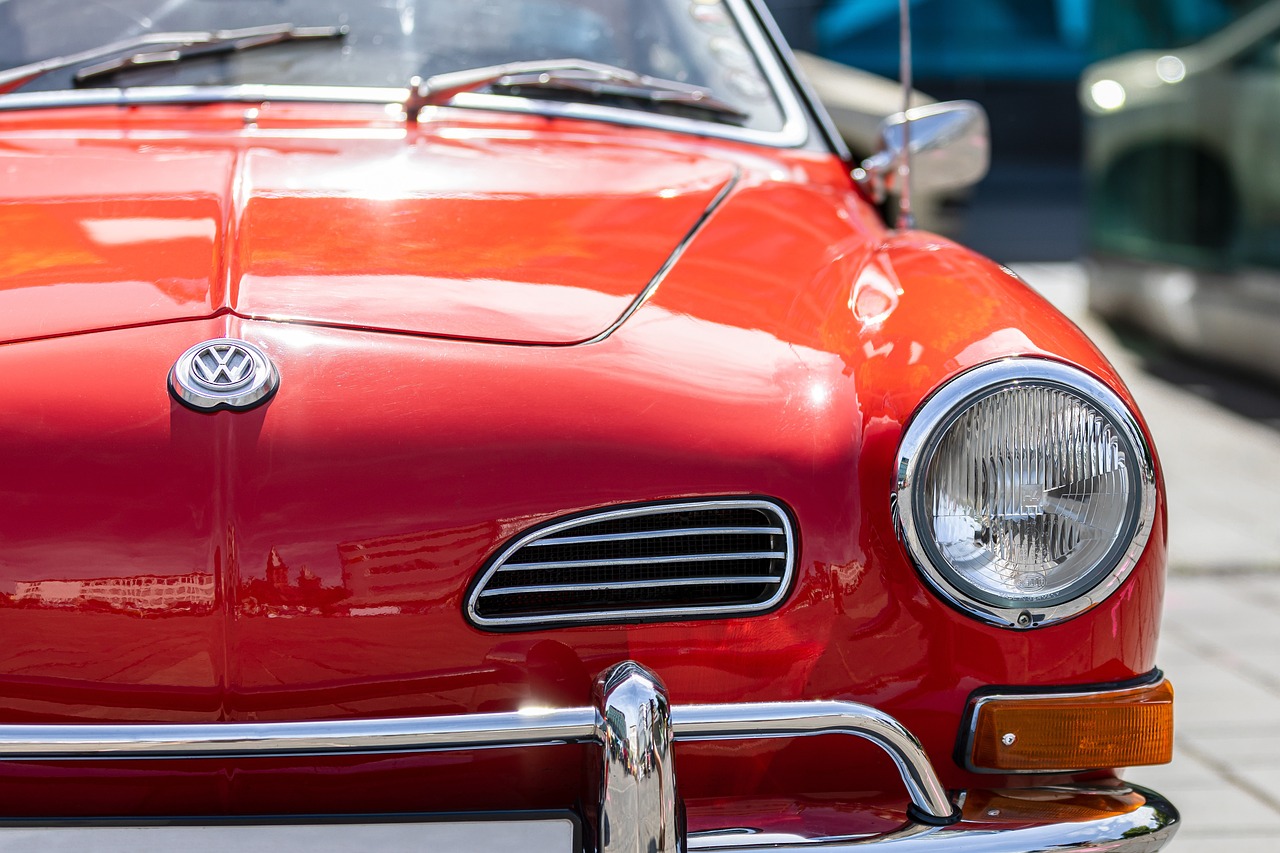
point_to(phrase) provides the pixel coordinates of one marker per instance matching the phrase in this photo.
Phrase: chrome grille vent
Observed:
(705, 558)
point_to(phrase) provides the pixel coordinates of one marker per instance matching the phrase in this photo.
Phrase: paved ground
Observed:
(1219, 441)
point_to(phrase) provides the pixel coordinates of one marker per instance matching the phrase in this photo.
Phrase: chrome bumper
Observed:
(639, 805)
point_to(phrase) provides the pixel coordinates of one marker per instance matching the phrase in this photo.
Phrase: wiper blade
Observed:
(221, 42)
(20, 75)
(594, 79)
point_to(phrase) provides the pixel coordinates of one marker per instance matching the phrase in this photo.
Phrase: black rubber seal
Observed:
(919, 815)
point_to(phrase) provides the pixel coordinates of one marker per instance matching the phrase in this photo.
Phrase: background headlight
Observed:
(1025, 491)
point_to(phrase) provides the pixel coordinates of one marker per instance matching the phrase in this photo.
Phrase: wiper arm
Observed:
(18, 76)
(595, 79)
(223, 42)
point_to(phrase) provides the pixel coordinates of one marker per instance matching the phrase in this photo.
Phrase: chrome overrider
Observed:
(640, 809)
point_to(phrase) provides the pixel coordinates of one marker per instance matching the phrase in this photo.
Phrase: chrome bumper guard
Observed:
(635, 725)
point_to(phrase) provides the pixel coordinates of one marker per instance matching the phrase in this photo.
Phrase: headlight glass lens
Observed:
(1028, 492)
(1025, 490)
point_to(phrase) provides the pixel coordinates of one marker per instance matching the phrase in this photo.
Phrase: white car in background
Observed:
(1182, 156)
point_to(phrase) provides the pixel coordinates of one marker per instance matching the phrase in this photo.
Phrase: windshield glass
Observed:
(388, 42)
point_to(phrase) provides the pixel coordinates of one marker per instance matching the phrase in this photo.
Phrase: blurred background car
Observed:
(1184, 191)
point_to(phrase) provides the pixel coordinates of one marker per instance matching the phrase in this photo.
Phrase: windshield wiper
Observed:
(14, 78)
(574, 76)
(226, 41)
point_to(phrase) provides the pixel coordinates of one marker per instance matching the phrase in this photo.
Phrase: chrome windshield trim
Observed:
(793, 133)
(257, 93)
(244, 93)
(795, 122)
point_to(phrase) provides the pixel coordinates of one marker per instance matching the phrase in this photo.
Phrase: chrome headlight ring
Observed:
(1041, 483)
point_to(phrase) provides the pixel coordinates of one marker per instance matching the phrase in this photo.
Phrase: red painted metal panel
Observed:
(308, 559)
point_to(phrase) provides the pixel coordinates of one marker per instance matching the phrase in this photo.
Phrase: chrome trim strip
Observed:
(809, 99)
(670, 262)
(639, 803)
(956, 393)
(320, 737)
(1102, 822)
(645, 561)
(242, 93)
(638, 790)
(787, 137)
(658, 534)
(795, 122)
(774, 509)
(23, 742)
(651, 584)
(803, 719)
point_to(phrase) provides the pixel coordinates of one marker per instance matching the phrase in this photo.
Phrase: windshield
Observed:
(388, 42)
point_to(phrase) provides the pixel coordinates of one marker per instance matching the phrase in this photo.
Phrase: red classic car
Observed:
(508, 425)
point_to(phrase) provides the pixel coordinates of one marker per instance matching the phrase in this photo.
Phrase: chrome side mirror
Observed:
(950, 149)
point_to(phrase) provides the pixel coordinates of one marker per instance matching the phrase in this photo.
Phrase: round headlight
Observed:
(1025, 491)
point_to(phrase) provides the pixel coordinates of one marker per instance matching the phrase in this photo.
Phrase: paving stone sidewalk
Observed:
(1221, 649)
(1220, 643)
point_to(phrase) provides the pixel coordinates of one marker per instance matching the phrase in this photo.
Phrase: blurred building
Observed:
(190, 591)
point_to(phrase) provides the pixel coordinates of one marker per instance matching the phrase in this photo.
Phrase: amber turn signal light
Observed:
(1051, 733)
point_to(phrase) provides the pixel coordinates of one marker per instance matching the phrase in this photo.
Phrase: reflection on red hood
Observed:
(453, 232)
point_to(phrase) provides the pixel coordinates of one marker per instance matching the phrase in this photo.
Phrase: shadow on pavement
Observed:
(1250, 396)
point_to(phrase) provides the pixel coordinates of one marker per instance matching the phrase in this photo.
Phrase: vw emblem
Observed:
(223, 374)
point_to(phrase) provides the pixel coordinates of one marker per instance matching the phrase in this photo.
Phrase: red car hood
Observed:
(471, 234)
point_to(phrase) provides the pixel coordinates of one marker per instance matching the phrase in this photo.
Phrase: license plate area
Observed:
(558, 832)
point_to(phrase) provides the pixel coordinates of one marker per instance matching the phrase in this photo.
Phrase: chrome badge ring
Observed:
(223, 373)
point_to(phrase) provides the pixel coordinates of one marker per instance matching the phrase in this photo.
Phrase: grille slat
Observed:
(654, 534)
(644, 561)
(677, 560)
(521, 590)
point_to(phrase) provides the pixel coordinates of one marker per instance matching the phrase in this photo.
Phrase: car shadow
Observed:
(1249, 395)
